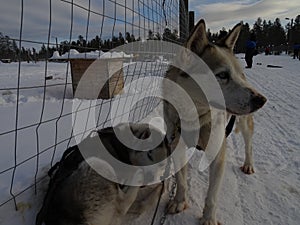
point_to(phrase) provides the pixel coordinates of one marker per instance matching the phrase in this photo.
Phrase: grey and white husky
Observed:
(78, 195)
(240, 99)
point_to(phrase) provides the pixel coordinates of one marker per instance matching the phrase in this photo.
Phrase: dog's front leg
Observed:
(216, 171)
(178, 204)
(246, 125)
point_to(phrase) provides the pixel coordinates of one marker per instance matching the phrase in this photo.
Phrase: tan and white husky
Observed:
(240, 99)
(78, 195)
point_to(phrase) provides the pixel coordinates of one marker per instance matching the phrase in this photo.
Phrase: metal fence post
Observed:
(183, 19)
(191, 20)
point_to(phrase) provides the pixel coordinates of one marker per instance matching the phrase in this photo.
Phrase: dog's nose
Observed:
(257, 102)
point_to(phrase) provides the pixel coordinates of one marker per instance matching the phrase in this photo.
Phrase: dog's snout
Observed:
(257, 102)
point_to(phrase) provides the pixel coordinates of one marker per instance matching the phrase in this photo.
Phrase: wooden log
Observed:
(274, 66)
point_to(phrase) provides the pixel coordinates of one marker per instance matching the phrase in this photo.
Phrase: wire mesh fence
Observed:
(38, 108)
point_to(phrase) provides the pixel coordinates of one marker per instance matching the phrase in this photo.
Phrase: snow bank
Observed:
(74, 54)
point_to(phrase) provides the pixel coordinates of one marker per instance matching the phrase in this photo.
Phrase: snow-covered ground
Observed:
(74, 54)
(270, 196)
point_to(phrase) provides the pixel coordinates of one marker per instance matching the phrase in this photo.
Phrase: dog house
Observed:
(97, 78)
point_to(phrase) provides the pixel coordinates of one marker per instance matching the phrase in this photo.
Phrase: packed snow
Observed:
(270, 196)
(74, 54)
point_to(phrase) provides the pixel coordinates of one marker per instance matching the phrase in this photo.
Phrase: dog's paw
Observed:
(209, 222)
(247, 169)
(177, 206)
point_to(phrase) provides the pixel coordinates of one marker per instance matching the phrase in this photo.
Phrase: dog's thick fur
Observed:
(240, 98)
(85, 198)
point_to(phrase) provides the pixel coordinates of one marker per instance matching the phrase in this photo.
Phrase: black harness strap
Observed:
(230, 125)
(228, 130)
(60, 171)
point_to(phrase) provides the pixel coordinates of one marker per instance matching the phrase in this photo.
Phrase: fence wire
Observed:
(36, 88)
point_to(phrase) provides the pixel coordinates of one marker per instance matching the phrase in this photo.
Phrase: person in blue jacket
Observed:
(296, 50)
(250, 50)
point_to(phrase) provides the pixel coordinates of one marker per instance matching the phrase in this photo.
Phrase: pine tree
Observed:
(128, 37)
(8, 47)
(244, 36)
(170, 36)
(279, 38)
(42, 52)
(222, 33)
(295, 31)
(121, 39)
(150, 35)
(258, 31)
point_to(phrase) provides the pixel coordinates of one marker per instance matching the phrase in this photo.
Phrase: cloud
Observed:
(36, 16)
(39, 17)
(228, 13)
(61, 19)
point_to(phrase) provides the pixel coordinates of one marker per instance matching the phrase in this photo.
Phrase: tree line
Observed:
(10, 50)
(268, 33)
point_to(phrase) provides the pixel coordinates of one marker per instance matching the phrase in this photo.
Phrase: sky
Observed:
(58, 19)
(227, 13)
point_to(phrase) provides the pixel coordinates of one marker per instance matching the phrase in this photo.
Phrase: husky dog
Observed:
(78, 195)
(240, 99)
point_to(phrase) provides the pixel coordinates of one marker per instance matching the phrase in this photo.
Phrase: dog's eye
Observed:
(223, 75)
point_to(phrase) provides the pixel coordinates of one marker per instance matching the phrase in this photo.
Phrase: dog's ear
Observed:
(230, 39)
(198, 39)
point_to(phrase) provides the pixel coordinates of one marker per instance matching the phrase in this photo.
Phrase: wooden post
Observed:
(105, 73)
(191, 20)
(184, 19)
